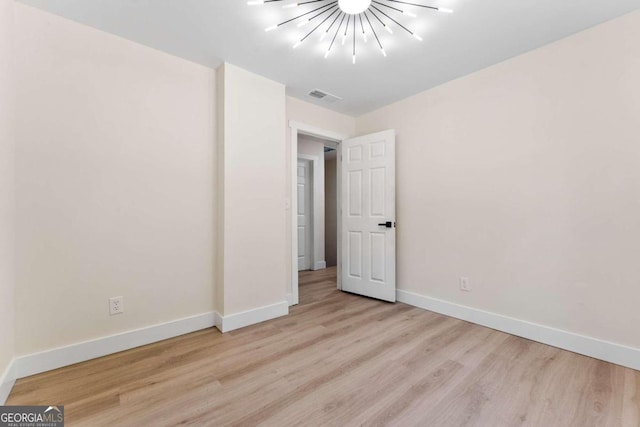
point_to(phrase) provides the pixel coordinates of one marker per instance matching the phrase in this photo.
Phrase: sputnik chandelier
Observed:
(346, 18)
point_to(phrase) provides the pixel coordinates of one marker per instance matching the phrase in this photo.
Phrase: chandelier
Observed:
(349, 20)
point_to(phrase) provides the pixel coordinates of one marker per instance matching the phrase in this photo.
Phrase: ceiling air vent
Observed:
(324, 96)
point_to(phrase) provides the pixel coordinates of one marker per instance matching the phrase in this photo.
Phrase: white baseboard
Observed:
(291, 300)
(218, 321)
(251, 317)
(588, 346)
(7, 380)
(36, 363)
(320, 265)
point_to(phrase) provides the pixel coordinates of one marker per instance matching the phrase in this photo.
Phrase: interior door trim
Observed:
(310, 130)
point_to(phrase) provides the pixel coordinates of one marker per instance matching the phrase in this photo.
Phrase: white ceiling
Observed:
(478, 34)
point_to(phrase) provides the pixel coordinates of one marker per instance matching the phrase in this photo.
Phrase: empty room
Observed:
(320, 213)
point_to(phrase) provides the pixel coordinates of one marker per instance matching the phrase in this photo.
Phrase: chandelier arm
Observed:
(397, 23)
(261, 2)
(378, 18)
(318, 26)
(386, 5)
(307, 2)
(320, 13)
(361, 24)
(334, 21)
(414, 4)
(346, 28)
(374, 31)
(307, 13)
(337, 32)
(354, 38)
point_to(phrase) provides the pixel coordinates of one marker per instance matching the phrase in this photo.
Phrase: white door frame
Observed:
(297, 127)
(317, 263)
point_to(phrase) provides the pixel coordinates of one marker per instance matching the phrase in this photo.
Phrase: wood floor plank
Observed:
(630, 398)
(342, 360)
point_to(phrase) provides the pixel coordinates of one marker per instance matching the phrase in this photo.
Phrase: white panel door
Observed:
(305, 215)
(368, 215)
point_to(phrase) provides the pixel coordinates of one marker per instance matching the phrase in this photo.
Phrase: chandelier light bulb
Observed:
(354, 7)
(445, 10)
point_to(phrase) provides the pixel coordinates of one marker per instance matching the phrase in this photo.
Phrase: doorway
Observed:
(315, 155)
(368, 220)
(316, 203)
(366, 226)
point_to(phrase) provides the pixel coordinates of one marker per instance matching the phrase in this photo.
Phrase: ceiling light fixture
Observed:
(348, 17)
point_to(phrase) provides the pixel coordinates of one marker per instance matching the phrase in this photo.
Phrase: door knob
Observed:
(387, 224)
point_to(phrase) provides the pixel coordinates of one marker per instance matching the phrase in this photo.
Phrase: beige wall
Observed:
(253, 146)
(115, 183)
(313, 115)
(525, 177)
(331, 209)
(7, 194)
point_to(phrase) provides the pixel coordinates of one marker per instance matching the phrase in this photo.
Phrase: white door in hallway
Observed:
(368, 216)
(305, 215)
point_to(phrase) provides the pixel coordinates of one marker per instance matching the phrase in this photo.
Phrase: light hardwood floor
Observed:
(342, 360)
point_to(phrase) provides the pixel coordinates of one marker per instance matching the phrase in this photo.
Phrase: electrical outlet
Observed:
(116, 305)
(465, 285)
